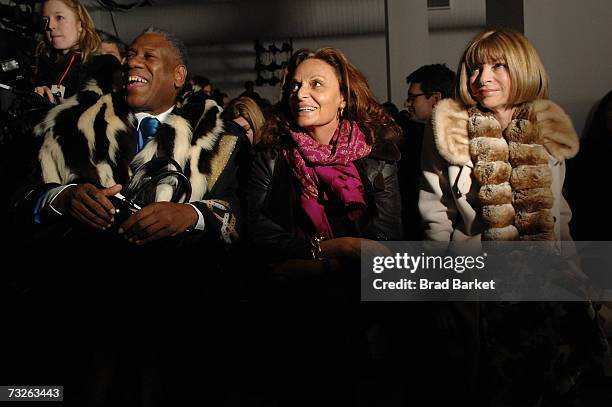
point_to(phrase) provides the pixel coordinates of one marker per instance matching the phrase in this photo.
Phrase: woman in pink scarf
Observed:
(326, 178)
(323, 180)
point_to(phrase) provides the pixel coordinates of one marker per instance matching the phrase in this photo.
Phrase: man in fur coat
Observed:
(93, 144)
(132, 317)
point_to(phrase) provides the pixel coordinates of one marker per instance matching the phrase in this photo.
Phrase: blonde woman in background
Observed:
(70, 42)
(247, 114)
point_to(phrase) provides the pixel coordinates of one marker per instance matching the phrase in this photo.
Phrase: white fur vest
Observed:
(510, 166)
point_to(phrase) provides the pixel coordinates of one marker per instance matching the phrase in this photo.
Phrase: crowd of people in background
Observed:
(191, 241)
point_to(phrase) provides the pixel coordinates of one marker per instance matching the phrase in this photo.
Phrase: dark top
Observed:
(584, 174)
(409, 173)
(274, 212)
(50, 72)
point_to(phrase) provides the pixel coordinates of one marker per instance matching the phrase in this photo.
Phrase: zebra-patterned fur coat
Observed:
(92, 137)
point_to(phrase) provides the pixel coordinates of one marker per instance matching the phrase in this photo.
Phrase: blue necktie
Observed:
(148, 128)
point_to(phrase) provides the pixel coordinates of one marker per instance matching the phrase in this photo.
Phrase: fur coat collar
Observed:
(92, 137)
(450, 126)
(511, 166)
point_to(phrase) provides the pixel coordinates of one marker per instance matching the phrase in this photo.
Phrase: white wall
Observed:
(573, 40)
(367, 53)
(408, 43)
(448, 45)
(228, 66)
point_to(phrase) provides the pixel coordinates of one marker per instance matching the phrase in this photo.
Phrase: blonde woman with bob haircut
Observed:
(70, 42)
(493, 170)
(499, 138)
(521, 60)
(247, 114)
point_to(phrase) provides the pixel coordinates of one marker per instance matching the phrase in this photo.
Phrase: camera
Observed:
(57, 97)
(124, 208)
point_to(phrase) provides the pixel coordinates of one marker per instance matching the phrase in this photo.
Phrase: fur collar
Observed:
(450, 126)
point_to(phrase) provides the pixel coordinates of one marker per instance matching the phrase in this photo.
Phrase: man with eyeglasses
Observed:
(420, 347)
(426, 87)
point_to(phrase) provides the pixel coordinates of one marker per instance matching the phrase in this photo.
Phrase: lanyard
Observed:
(59, 84)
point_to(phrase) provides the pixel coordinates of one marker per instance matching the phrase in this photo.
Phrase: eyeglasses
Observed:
(412, 96)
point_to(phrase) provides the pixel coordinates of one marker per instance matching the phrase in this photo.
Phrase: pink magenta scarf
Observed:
(315, 164)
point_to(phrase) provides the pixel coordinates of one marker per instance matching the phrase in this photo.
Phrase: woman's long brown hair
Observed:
(361, 105)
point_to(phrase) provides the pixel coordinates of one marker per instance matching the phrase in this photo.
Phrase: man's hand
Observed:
(158, 220)
(88, 204)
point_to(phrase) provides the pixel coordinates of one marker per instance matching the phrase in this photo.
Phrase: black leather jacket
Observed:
(273, 202)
